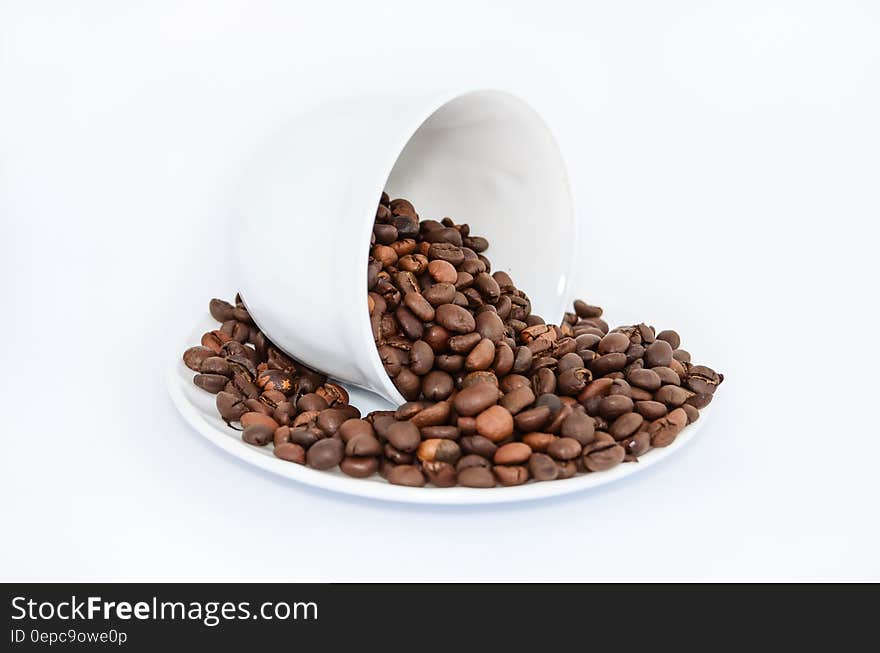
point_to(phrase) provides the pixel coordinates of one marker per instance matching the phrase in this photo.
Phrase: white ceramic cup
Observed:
(483, 157)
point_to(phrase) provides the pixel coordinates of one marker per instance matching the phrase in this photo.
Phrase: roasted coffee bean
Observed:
(638, 444)
(363, 444)
(445, 431)
(572, 381)
(476, 477)
(512, 453)
(213, 383)
(359, 467)
(614, 406)
(564, 449)
(455, 318)
(290, 452)
(693, 414)
(440, 474)
(658, 353)
(663, 431)
(584, 310)
(475, 399)
(625, 425)
(421, 358)
(230, 406)
(396, 456)
(667, 376)
(311, 401)
(533, 419)
(650, 410)
(472, 460)
(479, 445)
(542, 467)
(510, 475)
(699, 401)
(194, 356)
(702, 379)
(408, 384)
(433, 415)
(644, 378)
(481, 357)
(495, 423)
(671, 337)
(221, 310)
(408, 475)
(329, 420)
(305, 436)
(607, 364)
(439, 294)
(538, 441)
(258, 434)
(325, 454)
(436, 449)
(614, 343)
(672, 395)
(404, 436)
(544, 381)
(603, 454)
(437, 385)
(518, 399)
(567, 469)
(579, 426)
(419, 306)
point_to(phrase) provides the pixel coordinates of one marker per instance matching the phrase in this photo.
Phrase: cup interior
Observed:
(487, 159)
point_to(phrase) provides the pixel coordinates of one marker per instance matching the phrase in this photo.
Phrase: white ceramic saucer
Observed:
(197, 407)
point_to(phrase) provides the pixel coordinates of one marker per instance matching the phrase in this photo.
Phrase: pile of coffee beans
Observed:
(494, 395)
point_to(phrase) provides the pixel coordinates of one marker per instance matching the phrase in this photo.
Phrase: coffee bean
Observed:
(702, 379)
(359, 467)
(476, 477)
(602, 455)
(585, 310)
(455, 318)
(258, 434)
(445, 431)
(408, 384)
(572, 381)
(437, 385)
(658, 353)
(699, 401)
(230, 406)
(325, 454)
(542, 467)
(213, 383)
(478, 445)
(408, 475)
(533, 419)
(564, 448)
(440, 293)
(404, 436)
(644, 378)
(290, 452)
(579, 426)
(672, 395)
(518, 399)
(671, 337)
(614, 343)
(512, 453)
(693, 414)
(614, 406)
(194, 356)
(312, 401)
(475, 399)
(650, 410)
(481, 357)
(663, 431)
(442, 271)
(510, 475)
(667, 376)
(625, 425)
(436, 449)
(421, 358)
(495, 423)
(362, 444)
(440, 474)
(606, 364)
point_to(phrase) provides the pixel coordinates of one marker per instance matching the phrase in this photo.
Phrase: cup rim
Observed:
(432, 106)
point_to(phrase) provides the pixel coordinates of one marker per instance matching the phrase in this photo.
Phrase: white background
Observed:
(725, 160)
